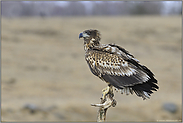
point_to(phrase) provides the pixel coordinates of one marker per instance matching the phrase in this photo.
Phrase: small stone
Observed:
(11, 81)
(51, 108)
(59, 116)
(31, 107)
(170, 107)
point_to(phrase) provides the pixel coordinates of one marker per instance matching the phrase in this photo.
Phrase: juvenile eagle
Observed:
(117, 67)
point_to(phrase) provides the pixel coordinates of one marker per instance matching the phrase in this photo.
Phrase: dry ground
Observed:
(43, 66)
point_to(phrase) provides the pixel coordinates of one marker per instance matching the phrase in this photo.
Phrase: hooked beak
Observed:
(80, 35)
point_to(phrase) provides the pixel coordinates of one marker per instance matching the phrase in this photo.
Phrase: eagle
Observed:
(117, 67)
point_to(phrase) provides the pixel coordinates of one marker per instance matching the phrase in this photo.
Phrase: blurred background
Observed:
(44, 73)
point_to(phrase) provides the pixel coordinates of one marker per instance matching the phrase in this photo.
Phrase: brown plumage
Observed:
(116, 66)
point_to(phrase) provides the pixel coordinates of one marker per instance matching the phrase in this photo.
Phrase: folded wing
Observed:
(118, 67)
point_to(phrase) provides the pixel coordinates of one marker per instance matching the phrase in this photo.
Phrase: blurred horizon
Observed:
(89, 8)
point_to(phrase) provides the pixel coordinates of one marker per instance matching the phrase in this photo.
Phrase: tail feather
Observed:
(143, 90)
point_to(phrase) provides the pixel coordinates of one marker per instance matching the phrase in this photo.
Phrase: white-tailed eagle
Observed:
(116, 66)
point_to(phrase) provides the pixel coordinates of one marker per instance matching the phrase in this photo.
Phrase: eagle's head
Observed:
(91, 37)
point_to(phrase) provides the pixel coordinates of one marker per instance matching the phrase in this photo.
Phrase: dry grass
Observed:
(43, 64)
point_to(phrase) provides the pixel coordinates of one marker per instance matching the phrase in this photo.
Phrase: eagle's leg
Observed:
(106, 91)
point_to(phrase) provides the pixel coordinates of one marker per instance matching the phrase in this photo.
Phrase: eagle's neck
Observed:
(88, 44)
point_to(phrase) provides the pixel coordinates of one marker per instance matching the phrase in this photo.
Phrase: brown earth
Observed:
(45, 76)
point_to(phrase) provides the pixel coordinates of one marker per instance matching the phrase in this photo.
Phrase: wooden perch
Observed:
(104, 105)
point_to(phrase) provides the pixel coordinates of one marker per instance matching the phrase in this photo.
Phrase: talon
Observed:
(106, 91)
(103, 98)
(112, 95)
(114, 102)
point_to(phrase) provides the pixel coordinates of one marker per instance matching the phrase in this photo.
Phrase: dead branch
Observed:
(104, 105)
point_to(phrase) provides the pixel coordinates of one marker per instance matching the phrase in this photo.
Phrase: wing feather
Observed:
(113, 66)
(118, 67)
